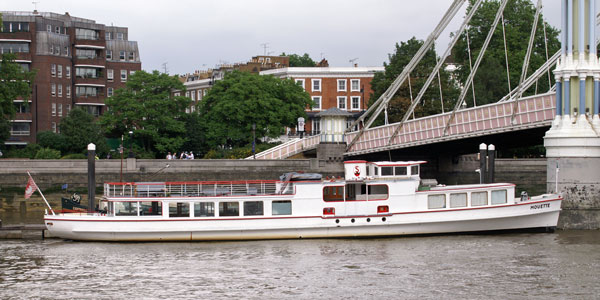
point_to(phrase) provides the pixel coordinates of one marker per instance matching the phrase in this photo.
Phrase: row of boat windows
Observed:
(355, 192)
(202, 209)
(395, 171)
(457, 200)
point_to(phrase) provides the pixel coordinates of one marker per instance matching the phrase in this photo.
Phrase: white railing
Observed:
(534, 111)
(196, 189)
(289, 148)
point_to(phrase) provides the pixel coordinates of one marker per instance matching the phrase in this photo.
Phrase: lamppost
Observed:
(254, 140)
(131, 155)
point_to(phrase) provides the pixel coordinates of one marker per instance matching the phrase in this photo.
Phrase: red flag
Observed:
(31, 188)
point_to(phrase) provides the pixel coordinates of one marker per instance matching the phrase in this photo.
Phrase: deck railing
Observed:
(197, 189)
(289, 148)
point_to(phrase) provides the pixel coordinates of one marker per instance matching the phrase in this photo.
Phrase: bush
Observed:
(28, 152)
(47, 153)
(74, 156)
(49, 139)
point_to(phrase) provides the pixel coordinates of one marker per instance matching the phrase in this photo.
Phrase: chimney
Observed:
(356, 65)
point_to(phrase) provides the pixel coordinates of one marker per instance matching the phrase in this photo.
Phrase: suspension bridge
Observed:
(509, 114)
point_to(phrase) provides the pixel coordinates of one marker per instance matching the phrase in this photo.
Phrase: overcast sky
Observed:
(195, 34)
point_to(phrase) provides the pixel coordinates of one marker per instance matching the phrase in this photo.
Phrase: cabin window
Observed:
(499, 197)
(378, 192)
(229, 209)
(400, 171)
(333, 193)
(179, 209)
(387, 171)
(126, 208)
(436, 201)
(204, 209)
(414, 170)
(253, 208)
(458, 200)
(376, 170)
(282, 208)
(153, 208)
(479, 199)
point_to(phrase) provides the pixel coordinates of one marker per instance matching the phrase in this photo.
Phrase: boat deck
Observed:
(197, 189)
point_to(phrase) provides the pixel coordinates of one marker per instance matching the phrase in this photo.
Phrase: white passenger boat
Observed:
(374, 199)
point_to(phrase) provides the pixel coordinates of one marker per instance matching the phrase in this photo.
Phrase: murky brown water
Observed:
(563, 265)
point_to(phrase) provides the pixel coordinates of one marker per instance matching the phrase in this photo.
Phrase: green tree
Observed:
(430, 103)
(15, 83)
(490, 80)
(79, 129)
(145, 106)
(195, 131)
(242, 99)
(300, 61)
(49, 139)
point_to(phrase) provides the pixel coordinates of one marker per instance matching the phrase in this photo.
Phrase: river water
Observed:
(561, 265)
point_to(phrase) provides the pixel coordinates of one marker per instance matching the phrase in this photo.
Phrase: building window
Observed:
(187, 94)
(54, 127)
(68, 72)
(300, 82)
(108, 35)
(49, 28)
(59, 71)
(60, 90)
(57, 29)
(341, 85)
(355, 102)
(68, 108)
(53, 89)
(109, 92)
(123, 75)
(20, 128)
(122, 55)
(176, 95)
(355, 85)
(199, 95)
(110, 74)
(316, 102)
(193, 95)
(204, 92)
(120, 36)
(108, 54)
(54, 109)
(342, 102)
(86, 34)
(53, 70)
(131, 56)
(316, 126)
(68, 90)
(131, 72)
(316, 85)
(60, 109)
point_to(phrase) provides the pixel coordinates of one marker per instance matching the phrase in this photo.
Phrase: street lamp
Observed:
(131, 155)
(254, 140)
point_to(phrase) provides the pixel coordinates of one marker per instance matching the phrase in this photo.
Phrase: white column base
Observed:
(596, 122)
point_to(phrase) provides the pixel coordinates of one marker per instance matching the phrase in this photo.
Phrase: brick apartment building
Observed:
(347, 88)
(79, 63)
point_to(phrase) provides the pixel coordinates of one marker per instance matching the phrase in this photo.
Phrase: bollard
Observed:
(491, 163)
(91, 177)
(482, 162)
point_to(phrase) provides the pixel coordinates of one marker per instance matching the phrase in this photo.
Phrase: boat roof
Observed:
(388, 163)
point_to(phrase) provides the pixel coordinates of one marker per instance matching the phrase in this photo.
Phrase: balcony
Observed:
(89, 60)
(91, 44)
(22, 35)
(91, 81)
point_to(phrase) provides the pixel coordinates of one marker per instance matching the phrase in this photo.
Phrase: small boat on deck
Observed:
(374, 199)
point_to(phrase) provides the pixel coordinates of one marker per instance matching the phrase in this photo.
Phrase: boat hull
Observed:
(525, 215)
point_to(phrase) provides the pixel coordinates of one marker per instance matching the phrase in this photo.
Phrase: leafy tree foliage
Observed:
(430, 103)
(15, 83)
(490, 80)
(47, 153)
(145, 106)
(300, 61)
(49, 139)
(78, 130)
(242, 99)
(195, 131)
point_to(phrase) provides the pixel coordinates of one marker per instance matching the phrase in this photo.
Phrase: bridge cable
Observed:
(436, 69)
(411, 96)
(375, 109)
(506, 54)
(546, 46)
(440, 85)
(463, 93)
(470, 67)
(520, 92)
(541, 71)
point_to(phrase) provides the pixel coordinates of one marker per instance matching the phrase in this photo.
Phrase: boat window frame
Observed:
(228, 215)
(479, 192)
(336, 199)
(281, 202)
(151, 214)
(179, 209)
(504, 191)
(429, 206)
(262, 208)
(466, 200)
(199, 209)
